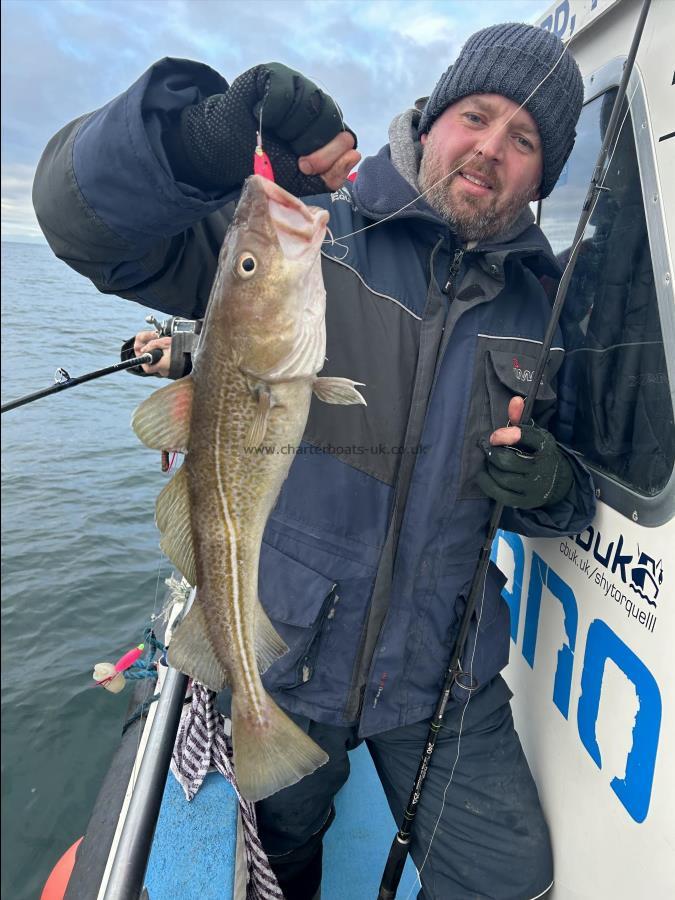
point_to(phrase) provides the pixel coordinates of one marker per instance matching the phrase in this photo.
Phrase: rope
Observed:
(144, 667)
(141, 710)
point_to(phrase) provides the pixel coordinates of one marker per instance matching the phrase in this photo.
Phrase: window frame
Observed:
(659, 509)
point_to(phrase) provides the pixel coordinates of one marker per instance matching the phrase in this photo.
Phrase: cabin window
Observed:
(615, 405)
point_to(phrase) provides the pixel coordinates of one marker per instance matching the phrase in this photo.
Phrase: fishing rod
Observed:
(400, 847)
(64, 381)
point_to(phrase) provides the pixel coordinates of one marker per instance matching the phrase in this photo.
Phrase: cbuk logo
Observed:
(647, 578)
(521, 374)
(641, 572)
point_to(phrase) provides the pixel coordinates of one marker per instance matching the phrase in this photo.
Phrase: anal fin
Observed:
(172, 513)
(191, 650)
(269, 645)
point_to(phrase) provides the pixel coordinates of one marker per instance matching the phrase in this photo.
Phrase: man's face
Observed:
(496, 160)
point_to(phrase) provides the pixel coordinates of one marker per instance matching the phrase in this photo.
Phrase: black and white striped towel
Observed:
(202, 743)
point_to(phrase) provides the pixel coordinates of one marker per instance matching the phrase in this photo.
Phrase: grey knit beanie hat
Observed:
(511, 60)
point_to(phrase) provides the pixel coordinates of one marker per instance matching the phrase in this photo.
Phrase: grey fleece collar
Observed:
(406, 154)
(405, 145)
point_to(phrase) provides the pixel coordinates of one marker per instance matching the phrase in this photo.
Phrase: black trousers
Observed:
(484, 836)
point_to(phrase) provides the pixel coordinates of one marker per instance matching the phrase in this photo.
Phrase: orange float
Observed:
(56, 884)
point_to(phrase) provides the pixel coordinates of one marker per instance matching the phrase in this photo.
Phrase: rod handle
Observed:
(393, 871)
(155, 355)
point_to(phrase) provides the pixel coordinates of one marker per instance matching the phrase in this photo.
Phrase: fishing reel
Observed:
(184, 338)
(174, 325)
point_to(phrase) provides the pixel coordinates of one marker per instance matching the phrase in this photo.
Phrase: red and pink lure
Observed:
(261, 161)
(125, 662)
(113, 673)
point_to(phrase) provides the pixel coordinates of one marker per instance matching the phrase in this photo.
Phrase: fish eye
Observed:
(246, 265)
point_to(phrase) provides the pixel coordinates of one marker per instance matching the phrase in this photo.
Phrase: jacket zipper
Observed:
(453, 270)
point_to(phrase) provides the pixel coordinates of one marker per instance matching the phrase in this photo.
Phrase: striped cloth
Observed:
(202, 743)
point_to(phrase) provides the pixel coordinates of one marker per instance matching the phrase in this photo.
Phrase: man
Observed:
(439, 310)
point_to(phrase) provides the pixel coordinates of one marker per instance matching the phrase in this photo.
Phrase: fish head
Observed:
(269, 293)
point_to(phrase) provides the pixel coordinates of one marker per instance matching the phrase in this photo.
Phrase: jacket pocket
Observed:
(499, 375)
(486, 651)
(507, 375)
(297, 599)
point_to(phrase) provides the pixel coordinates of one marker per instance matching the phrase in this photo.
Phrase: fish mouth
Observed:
(298, 228)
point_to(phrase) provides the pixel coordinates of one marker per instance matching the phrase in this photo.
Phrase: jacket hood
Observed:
(387, 186)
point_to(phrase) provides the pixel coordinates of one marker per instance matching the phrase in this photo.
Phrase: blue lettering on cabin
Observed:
(512, 594)
(560, 18)
(634, 791)
(540, 575)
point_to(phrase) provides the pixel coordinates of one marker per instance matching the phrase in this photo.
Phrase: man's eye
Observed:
(472, 117)
(524, 142)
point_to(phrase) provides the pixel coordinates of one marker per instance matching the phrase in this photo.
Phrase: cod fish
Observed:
(262, 344)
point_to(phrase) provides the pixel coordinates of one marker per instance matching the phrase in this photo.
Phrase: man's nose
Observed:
(492, 143)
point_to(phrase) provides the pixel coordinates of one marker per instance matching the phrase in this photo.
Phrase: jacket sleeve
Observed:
(111, 207)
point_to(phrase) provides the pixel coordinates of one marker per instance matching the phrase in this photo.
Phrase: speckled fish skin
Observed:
(251, 327)
(261, 346)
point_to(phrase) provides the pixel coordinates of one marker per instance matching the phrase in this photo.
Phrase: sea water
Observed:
(81, 566)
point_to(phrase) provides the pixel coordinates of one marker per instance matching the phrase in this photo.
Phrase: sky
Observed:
(62, 58)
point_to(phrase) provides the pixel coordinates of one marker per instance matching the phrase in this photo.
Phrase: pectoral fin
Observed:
(162, 421)
(338, 390)
(256, 434)
(172, 514)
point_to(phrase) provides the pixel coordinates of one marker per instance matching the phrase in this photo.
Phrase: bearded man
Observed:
(435, 303)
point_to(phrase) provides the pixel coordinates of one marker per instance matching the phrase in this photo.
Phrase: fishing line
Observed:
(149, 688)
(461, 723)
(335, 243)
(454, 171)
(259, 134)
(329, 94)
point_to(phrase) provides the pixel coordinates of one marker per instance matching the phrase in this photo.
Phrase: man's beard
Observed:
(471, 218)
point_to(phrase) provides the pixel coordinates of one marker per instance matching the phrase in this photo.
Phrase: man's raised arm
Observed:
(137, 195)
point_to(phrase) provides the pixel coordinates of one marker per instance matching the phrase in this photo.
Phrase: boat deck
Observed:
(193, 853)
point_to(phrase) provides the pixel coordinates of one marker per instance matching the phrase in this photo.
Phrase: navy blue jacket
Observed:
(372, 545)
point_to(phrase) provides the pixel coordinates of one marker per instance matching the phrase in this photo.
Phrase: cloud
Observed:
(18, 218)
(63, 58)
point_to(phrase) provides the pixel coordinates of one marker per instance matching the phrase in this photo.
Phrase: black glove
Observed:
(219, 133)
(534, 473)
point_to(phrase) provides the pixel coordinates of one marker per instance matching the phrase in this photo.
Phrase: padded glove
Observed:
(219, 133)
(534, 473)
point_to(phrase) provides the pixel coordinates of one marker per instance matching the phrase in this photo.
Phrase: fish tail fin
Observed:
(270, 754)
(191, 651)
